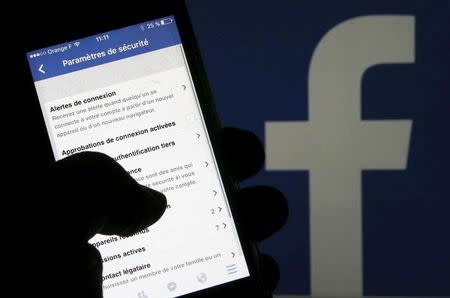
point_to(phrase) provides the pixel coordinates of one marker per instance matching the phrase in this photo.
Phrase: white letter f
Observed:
(335, 145)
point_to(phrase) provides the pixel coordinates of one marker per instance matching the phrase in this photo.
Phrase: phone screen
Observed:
(129, 93)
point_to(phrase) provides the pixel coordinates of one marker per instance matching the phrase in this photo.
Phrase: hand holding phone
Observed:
(145, 207)
(138, 94)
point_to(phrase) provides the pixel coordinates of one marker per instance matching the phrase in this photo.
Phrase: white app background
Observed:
(195, 245)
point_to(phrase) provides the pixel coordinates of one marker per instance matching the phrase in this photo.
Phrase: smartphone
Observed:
(135, 89)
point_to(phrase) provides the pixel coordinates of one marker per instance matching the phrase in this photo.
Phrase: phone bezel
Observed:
(123, 17)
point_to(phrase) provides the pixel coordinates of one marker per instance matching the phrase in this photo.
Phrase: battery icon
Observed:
(166, 21)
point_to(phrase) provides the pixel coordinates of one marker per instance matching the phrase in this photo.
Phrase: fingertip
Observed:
(148, 208)
(264, 210)
(243, 151)
(158, 203)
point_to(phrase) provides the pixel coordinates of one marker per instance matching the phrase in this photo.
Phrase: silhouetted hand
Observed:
(263, 210)
(89, 193)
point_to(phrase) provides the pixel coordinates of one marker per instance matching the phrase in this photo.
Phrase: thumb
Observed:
(97, 195)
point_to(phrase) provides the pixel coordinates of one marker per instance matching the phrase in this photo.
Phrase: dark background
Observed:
(257, 56)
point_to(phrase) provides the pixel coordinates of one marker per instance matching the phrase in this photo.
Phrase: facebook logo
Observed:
(335, 145)
(352, 103)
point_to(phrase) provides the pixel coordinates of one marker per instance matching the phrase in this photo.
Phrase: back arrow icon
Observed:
(41, 68)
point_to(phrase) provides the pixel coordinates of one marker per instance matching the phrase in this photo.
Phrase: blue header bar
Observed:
(103, 48)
